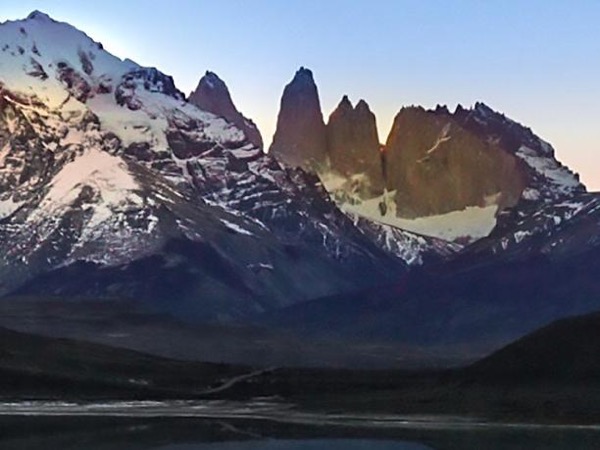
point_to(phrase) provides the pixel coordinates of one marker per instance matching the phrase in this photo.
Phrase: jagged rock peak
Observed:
(345, 103)
(362, 105)
(483, 108)
(213, 81)
(353, 142)
(300, 139)
(459, 109)
(303, 75)
(442, 109)
(212, 95)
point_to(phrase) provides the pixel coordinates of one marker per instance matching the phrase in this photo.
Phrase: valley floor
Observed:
(328, 396)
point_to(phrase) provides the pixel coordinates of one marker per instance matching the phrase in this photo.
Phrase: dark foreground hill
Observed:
(40, 367)
(567, 351)
(549, 376)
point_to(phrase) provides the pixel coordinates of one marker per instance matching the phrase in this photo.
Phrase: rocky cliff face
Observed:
(441, 174)
(353, 143)
(212, 95)
(346, 156)
(476, 154)
(300, 139)
(454, 175)
(436, 166)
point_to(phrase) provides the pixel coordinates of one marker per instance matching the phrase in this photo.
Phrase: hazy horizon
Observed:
(534, 62)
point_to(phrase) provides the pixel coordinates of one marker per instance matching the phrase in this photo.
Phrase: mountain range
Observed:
(458, 235)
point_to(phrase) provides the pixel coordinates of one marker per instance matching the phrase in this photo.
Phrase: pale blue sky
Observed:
(536, 61)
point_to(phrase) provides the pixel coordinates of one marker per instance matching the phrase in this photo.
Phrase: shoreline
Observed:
(280, 412)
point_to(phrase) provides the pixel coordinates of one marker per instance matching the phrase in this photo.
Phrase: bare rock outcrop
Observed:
(300, 139)
(353, 142)
(436, 166)
(212, 95)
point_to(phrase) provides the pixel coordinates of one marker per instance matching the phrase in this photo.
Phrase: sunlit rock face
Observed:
(452, 175)
(436, 166)
(440, 161)
(434, 176)
(300, 139)
(353, 143)
(212, 95)
(441, 174)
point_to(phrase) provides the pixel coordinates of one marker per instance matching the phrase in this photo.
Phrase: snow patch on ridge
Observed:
(235, 227)
(106, 175)
(561, 177)
(8, 207)
(408, 246)
(130, 126)
(471, 223)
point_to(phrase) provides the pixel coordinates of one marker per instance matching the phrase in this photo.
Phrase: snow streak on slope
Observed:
(557, 175)
(566, 228)
(106, 174)
(550, 179)
(99, 182)
(8, 207)
(413, 248)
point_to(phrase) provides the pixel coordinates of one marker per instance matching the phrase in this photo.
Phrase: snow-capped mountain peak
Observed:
(39, 15)
(105, 167)
(62, 63)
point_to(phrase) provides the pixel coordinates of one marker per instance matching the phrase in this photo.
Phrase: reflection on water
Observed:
(121, 433)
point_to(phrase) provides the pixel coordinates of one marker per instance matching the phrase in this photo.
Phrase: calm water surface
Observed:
(28, 433)
(236, 427)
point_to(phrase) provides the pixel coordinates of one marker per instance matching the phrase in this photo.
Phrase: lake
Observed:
(31, 433)
(223, 426)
